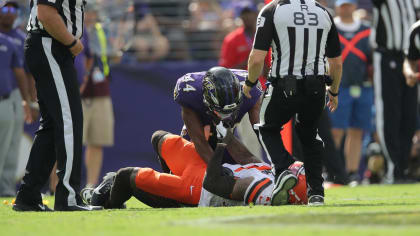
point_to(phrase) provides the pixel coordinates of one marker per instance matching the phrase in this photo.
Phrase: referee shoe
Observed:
(25, 207)
(316, 200)
(286, 181)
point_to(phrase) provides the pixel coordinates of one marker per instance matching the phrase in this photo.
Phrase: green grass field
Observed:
(365, 210)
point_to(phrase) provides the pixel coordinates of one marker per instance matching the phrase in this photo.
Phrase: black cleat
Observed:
(101, 194)
(316, 200)
(86, 194)
(286, 181)
(79, 207)
(24, 207)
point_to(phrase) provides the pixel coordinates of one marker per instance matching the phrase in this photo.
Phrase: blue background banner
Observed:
(143, 103)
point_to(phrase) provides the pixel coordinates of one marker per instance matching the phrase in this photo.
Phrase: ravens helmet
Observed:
(222, 92)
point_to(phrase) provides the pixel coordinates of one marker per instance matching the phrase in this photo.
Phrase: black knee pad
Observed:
(124, 174)
(121, 189)
(156, 139)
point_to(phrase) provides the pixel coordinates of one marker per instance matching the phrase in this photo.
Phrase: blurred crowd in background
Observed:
(155, 31)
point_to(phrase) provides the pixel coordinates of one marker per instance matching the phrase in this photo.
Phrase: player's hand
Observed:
(77, 48)
(246, 89)
(229, 136)
(27, 113)
(411, 79)
(221, 130)
(332, 102)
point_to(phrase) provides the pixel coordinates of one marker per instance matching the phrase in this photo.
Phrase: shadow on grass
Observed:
(389, 218)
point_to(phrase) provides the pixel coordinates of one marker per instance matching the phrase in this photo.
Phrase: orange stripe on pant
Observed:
(188, 169)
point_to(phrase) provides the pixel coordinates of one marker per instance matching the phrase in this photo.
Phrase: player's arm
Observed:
(412, 55)
(410, 72)
(240, 153)
(24, 91)
(333, 53)
(54, 25)
(223, 185)
(196, 132)
(254, 113)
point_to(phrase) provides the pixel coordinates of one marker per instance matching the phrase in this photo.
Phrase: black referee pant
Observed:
(276, 110)
(396, 112)
(59, 137)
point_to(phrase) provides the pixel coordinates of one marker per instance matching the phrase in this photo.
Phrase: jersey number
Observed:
(300, 19)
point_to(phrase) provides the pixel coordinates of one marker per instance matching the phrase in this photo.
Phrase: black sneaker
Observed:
(24, 207)
(286, 181)
(79, 207)
(86, 194)
(316, 200)
(101, 194)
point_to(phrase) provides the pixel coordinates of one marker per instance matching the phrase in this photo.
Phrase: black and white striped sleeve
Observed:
(54, 3)
(265, 28)
(413, 52)
(333, 48)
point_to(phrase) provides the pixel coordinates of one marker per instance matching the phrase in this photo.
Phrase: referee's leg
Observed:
(275, 112)
(312, 144)
(60, 134)
(388, 104)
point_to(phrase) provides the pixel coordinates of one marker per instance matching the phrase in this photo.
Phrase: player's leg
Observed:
(175, 152)
(340, 118)
(184, 189)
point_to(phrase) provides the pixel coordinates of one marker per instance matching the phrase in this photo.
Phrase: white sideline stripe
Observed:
(379, 104)
(67, 118)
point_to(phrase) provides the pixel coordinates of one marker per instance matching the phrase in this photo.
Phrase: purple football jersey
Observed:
(9, 59)
(17, 37)
(188, 92)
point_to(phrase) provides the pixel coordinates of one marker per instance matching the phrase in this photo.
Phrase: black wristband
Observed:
(333, 94)
(249, 83)
(72, 44)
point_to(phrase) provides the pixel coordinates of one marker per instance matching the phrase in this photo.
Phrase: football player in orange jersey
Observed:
(193, 183)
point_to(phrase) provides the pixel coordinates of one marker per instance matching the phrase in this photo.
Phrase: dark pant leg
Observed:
(42, 156)
(331, 159)
(56, 82)
(276, 110)
(408, 123)
(388, 96)
(313, 147)
(69, 125)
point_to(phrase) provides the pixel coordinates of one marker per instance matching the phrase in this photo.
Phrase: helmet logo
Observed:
(230, 106)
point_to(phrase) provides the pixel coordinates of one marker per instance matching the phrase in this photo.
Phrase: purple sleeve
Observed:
(255, 93)
(17, 58)
(186, 91)
(85, 41)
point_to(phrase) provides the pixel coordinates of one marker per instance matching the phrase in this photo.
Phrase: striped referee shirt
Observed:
(301, 34)
(71, 11)
(413, 51)
(391, 23)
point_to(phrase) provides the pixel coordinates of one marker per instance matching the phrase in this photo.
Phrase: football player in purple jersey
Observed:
(210, 103)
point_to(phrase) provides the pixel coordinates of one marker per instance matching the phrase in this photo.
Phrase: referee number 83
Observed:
(299, 18)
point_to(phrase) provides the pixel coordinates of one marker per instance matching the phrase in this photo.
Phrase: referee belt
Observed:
(276, 79)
